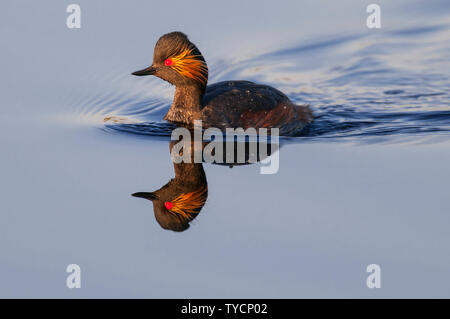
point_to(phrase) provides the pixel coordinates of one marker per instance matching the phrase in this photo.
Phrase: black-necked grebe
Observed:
(225, 104)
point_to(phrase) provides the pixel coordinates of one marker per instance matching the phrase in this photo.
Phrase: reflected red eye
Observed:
(168, 204)
(168, 62)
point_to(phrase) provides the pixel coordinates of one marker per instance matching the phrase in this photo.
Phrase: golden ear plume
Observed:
(190, 65)
(190, 203)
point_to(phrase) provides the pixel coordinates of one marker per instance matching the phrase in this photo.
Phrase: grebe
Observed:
(228, 104)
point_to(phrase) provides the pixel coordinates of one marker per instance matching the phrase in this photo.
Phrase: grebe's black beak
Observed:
(148, 71)
(149, 196)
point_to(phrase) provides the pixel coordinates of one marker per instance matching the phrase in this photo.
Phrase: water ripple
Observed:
(359, 85)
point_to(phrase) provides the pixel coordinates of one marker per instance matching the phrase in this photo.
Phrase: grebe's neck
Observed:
(187, 104)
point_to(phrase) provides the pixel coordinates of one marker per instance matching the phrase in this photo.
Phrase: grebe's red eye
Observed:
(168, 205)
(168, 62)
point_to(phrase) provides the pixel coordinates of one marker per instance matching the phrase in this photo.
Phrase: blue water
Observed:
(366, 183)
(375, 92)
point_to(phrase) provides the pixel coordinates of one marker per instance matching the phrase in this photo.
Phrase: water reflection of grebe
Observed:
(178, 202)
(227, 104)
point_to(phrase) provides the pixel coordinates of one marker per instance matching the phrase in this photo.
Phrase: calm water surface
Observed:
(368, 182)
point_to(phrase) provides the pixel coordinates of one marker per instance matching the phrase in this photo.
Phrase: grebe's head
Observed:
(178, 61)
(174, 206)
